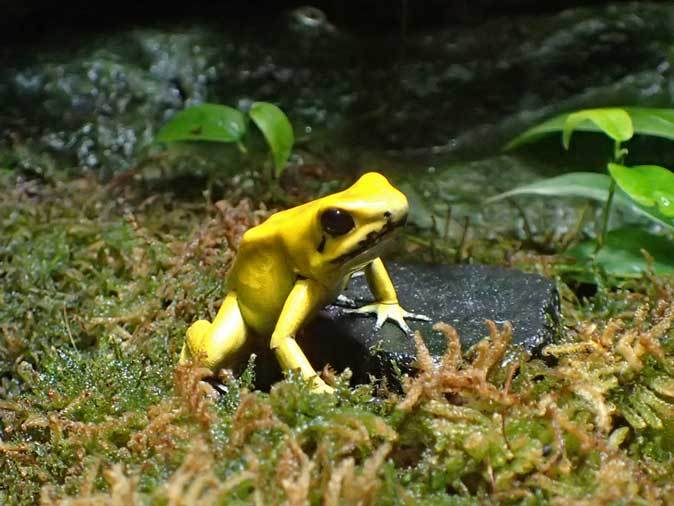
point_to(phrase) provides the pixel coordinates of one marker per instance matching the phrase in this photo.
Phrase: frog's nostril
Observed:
(387, 214)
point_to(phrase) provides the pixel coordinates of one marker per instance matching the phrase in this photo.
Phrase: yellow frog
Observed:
(296, 262)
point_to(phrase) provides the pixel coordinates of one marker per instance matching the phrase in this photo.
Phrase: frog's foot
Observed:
(291, 357)
(213, 344)
(345, 301)
(387, 311)
(197, 334)
(319, 386)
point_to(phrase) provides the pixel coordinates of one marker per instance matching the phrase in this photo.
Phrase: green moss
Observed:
(98, 287)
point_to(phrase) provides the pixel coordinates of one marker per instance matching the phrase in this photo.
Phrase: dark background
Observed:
(24, 22)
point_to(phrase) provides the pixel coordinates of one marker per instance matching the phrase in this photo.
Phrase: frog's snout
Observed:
(395, 221)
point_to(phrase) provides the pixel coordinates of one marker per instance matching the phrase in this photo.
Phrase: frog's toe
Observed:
(197, 335)
(418, 316)
(387, 311)
(401, 323)
(345, 301)
(369, 309)
(198, 331)
(319, 386)
(381, 318)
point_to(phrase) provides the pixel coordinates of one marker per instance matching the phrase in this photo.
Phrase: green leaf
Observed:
(277, 131)
(649, 185)
(651, 212)
(645, 120)
(652, 121)
(205, 122)
(552, 125)
(574, 184)
(621, 254)
(586, 185)
(614, 122)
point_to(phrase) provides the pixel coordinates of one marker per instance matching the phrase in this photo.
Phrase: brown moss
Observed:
(451, 377)
(197, 395)
(162, 433)
(91, 416)
(253, 415)
(293, 473)
(123, 491)
(602, 358)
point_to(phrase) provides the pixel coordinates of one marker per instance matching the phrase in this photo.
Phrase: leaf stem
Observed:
(618, 156)
(607, 211)
(277, 193)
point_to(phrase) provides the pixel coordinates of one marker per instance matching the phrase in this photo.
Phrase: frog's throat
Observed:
(370, 240)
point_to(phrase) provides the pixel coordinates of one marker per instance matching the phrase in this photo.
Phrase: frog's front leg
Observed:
(303, 300)
(211, 344)
(387, 306)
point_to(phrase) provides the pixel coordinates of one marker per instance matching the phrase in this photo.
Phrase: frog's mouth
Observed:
(371, 240)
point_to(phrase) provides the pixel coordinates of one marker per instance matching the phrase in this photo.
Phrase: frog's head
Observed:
(356, 224)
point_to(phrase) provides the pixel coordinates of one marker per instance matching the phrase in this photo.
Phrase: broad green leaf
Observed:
(621, 254)
(550, 126)
(277, 131)
(649, 185)
(574, 184)
(205, 122)
(665, 201)
(645, 121)
(586, 185)
(614, 122)
(652, 121)
(652, 213)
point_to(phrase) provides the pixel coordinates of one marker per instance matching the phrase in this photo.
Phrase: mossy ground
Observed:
(99, 285)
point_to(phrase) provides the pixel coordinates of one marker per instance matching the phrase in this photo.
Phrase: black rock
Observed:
(461, 295)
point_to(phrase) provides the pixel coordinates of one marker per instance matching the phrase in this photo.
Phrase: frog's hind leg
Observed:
(213, 344)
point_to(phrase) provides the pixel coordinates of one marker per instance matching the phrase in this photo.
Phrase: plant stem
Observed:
(277, 193)
(607, 211)
(618, 155)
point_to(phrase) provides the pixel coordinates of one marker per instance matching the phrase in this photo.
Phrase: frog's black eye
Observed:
(336, 221)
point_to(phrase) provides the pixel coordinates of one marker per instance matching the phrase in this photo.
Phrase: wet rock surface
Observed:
(461, 295)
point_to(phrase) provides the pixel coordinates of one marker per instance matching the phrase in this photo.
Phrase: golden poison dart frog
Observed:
(296, 262)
